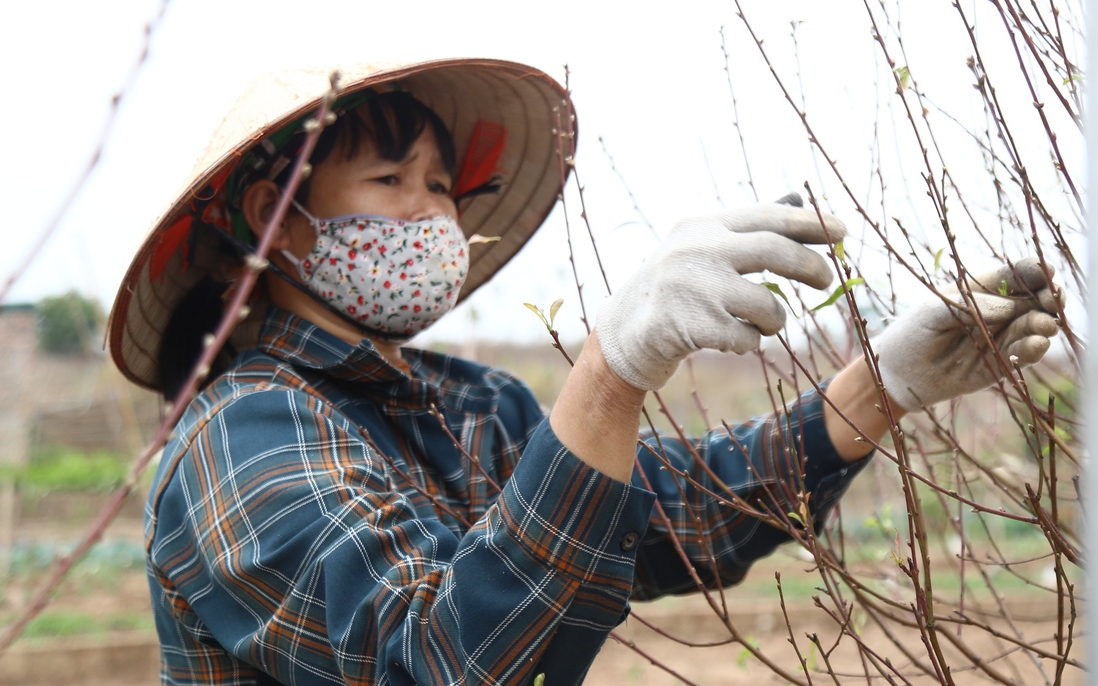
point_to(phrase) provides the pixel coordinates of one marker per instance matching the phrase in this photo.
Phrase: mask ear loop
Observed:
(313, 222)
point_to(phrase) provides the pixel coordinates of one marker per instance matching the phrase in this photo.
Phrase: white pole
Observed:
(1090, 388)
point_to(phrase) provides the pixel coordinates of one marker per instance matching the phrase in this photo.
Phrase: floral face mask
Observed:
(391, 276)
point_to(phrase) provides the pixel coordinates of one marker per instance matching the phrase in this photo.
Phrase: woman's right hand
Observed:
(690, 293)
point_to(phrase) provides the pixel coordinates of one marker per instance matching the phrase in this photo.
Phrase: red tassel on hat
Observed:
(482, 161)
(175, 238)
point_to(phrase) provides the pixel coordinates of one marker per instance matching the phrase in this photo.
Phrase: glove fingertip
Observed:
(768, 325)
(803, 225)
(835, 227)
(1043, 324)
(1030, 350)
(792, 199)
(1048, 300)
(1032, 274)
(832, 229)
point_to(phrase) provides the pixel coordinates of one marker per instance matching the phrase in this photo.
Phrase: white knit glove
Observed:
(936, 351)
(689, 294)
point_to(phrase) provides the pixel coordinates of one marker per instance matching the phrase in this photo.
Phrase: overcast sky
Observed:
(650, 82)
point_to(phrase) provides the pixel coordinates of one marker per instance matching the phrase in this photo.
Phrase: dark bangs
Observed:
(393, 121)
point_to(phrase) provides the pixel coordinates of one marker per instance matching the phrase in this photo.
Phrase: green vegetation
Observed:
(106, 561)
(63, 624)
(60, 469)
(68, 324)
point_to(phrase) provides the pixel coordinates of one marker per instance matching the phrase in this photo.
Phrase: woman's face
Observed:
(414, 188)
(417, 187)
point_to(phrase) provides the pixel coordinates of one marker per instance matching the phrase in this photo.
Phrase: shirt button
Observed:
(629, 541)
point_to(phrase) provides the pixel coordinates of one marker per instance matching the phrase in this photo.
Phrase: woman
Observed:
(337, 508)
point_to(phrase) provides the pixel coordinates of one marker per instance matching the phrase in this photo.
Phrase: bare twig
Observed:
(235, 311)
(62, 210)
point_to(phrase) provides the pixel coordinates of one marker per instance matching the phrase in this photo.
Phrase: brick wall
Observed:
(17, 362)
(79, 401)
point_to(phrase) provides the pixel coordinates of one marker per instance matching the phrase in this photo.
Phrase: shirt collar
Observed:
(434, 378)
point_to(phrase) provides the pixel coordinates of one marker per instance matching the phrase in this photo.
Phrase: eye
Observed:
(438, 187)
(387, 180)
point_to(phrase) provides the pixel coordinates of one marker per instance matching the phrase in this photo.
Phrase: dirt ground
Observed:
(731, 665)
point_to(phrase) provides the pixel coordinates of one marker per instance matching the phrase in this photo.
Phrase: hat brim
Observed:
(463, 92)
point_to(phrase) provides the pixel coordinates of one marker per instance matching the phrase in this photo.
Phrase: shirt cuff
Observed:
(827, 475)
(573, 517)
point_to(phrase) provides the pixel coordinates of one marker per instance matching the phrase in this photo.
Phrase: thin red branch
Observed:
(235, 310)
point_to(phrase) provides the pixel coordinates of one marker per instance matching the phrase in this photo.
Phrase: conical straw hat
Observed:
(463, 92)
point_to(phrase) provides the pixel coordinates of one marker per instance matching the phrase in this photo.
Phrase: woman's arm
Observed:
(854, 392)
(597, 414)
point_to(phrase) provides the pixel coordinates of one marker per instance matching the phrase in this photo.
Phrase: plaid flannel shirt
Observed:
(313, 521)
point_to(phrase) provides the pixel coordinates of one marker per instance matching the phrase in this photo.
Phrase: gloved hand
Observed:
(689, 294)
(936, 351)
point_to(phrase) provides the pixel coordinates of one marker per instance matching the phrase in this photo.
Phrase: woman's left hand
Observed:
(936, 351)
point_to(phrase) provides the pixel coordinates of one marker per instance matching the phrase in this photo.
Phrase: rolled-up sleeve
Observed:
(769, 463)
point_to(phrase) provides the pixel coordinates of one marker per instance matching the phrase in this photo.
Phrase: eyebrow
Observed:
(413, 156)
